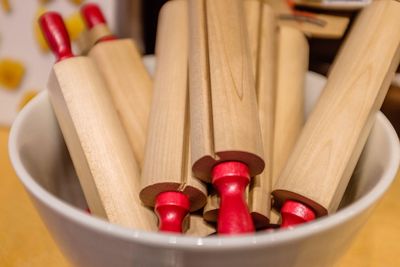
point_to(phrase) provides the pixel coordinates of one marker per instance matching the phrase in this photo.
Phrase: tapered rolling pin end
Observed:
(294, 213)
(171, 208)
(230, 180)
(93, 17)
(56, 35)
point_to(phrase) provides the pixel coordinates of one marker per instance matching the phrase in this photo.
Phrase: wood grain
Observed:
(323, 159)
(167, 158)
(289, 108)
(129, 83)
(260, 187)
(252, 10)
(98, 145)
(236, 133)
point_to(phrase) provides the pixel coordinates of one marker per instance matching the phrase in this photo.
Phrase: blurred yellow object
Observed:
(5, 4)
(38, 33)
(11, 73)
(26, 97)
(76, 2)
(75, 25)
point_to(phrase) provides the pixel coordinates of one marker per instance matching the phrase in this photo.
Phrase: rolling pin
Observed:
(262, 29)
(317, 172)
(120, 64)
(167, 180)
(292, 67)
(226, 135)
(253, 11)
(261, 186)
(99, 147)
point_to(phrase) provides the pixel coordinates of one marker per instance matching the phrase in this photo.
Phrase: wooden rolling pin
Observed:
(260, 188)
(96, 140)
(226, 135)
(167, 181)
(292, 68)
(316, 175)
(252, 10)
(127, 79)
(262, 29)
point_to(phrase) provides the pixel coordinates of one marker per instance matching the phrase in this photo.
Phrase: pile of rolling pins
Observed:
(217, 141)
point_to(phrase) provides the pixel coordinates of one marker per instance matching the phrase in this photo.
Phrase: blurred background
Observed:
(25, 59)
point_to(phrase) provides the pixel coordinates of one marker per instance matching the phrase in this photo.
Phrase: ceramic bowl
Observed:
(41, 161)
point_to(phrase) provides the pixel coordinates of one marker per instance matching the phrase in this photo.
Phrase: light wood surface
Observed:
(332, 139)
(289, 107)
(292, 65)
(167, 157)
(260, 188)
(252, 12)
(98, 145)
(236, 133)
(130, 86)
(25, 240)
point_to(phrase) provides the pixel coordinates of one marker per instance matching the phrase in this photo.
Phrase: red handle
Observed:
(294, 213)
(230, 180)
(93, 16)
(56, 35)
(171, 208)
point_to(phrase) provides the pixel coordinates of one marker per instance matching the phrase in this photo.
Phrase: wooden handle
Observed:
(230, 179)
(56, 34)
(171, 208)
(97, 143)
(129, 83)
(332, 139)
(167, 157)
(224, 119)
(260, 187)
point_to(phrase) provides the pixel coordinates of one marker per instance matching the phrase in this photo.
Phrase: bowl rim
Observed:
(215, 243)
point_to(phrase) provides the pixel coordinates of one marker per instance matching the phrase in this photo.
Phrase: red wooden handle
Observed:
(230, 180)
(56, 35)
(171, 208)
(294, 213)
(93, 16)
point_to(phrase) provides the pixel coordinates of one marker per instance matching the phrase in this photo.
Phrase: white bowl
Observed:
(41, 161)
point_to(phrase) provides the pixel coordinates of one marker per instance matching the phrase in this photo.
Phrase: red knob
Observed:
(171, 208)
(56, 35)
(294, 213)
(230, 180)
(92, 15)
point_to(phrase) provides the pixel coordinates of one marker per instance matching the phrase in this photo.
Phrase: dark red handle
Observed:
(294, 213)
(93, 16)
(230, 180)
(56, 35)
(171, 208)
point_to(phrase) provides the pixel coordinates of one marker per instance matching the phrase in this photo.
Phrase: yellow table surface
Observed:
(24, 240)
